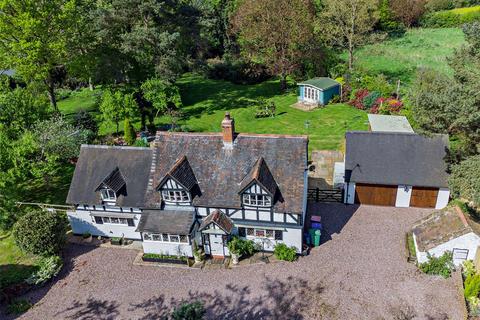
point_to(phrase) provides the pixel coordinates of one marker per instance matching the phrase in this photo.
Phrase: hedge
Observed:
(451, 18)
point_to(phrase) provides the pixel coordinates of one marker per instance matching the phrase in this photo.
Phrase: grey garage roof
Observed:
(171, 221)
(387, 123)
(396, 159)
(96, 163)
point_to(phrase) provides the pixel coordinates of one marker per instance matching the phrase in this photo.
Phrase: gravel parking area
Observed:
(359, 272)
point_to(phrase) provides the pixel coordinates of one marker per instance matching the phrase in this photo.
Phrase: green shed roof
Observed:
(321, 83)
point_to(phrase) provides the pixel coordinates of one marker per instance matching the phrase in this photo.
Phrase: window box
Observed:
(160, 258)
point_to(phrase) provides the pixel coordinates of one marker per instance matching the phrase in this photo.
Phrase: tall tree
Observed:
(347, 24)
(33, 37)
(442, 104)
(408, 11)
(276, 33)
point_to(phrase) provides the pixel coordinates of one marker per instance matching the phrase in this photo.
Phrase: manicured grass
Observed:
(400, 58)
(205, 102)
(15, 266)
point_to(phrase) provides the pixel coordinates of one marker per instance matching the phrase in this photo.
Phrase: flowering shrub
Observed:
(370, 99)
(357, 101)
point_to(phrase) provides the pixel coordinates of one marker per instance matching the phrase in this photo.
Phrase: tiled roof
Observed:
(220, 219)
(396, 158)
(440, 227)
(114, 181)
(260, 174)
(95, 163)
(220, 171)
(168, 221)
(182, 173)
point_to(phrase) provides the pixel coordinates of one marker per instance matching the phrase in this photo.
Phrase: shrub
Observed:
(357, 101)
(451, 18)
(189, 311)
(86, 235)
(141, 143)
(472, 286)
(41, 232)
(241, 246)
(442, 265)
(468, 268)
(84, 120)
(49, 267)
(283, 252)
(464, 180)
(236, 70)
(163, 256)
(129, 133)
(265, 109)
(370, 100)
(18, 306)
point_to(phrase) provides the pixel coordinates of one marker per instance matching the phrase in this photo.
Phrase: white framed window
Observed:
(263, 233)
(108, 195)
(175, 196)
(257, 200)
(113, 220)
(165, 237)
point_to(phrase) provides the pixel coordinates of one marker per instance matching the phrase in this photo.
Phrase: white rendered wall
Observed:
(403, 197)
(350, 193)
(173, 249)
(442, 198)
(469, 241)
(82, 222)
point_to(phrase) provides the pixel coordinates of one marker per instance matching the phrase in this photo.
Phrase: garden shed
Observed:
(446, 230)
(318, 90)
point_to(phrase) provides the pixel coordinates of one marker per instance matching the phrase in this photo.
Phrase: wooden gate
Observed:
(325, 195)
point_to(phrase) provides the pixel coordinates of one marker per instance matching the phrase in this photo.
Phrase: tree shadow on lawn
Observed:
(334, 216)
(206, 96)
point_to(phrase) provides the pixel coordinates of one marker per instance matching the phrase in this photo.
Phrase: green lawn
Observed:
(78, 100)
(205, 102)
(15, 266)
(400, 58)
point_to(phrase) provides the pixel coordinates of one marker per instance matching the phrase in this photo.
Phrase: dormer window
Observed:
(257, 200)
(258, 188)
(177, 196)
(108, 195)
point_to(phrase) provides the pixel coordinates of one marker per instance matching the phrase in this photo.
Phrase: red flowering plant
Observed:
(357, 101)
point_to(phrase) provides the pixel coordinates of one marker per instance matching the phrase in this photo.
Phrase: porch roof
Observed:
(166, 221)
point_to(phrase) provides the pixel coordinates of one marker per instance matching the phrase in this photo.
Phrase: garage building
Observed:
(396, 169)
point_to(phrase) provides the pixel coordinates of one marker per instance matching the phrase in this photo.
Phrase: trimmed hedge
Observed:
(451, 18)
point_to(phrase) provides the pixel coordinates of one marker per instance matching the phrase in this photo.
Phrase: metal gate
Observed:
(325, 195)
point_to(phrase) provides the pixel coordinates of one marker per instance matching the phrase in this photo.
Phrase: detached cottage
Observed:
(194, 186)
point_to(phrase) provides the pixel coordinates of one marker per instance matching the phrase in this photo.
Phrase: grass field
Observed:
(400, 58)
(15, 266)
(205, 102)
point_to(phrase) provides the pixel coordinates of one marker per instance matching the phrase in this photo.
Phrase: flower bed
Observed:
(162, 258)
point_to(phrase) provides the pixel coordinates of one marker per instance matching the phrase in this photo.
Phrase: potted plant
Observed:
(235, 248)
(87, 237)
(197, 253)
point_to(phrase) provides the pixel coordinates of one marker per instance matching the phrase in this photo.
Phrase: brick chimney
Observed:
(228, 130)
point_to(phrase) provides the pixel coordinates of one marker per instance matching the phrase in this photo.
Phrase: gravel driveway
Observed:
(359, 272)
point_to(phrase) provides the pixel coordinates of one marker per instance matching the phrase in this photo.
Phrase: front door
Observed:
(216, 245)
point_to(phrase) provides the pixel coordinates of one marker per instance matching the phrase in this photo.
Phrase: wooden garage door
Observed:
(424, 197)
(380, 195)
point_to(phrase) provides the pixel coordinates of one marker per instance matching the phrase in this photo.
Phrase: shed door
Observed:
(380, 195)
(424, 197)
